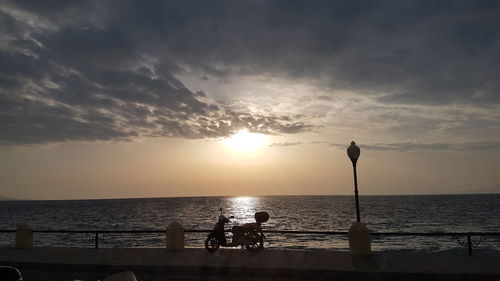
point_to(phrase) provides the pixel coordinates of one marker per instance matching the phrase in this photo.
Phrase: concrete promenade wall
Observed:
(293, 264)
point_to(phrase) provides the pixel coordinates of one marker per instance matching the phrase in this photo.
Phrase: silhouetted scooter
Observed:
(249, 235)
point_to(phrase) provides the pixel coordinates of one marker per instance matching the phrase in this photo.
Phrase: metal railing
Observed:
(469, 242)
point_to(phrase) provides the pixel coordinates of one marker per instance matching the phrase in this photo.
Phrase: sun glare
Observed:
(246, 141)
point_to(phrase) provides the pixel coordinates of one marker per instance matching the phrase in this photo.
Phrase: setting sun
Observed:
(246, 141)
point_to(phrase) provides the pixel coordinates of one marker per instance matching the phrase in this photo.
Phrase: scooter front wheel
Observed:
(212, 243)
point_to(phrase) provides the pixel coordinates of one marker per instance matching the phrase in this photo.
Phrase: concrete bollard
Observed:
(24, 236)
(360, 242)
(175, 236)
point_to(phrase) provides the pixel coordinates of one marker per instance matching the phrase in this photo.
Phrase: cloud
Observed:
(405, 53)
(286, 143)
(97, 70)
(69, 83)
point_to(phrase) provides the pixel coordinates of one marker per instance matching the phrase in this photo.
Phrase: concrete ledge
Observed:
(295, 264)
(260, 273)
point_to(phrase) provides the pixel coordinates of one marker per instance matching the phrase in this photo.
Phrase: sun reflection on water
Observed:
(244, 208)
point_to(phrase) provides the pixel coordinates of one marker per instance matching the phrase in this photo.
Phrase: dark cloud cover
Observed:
(71, 80)
(107, 70)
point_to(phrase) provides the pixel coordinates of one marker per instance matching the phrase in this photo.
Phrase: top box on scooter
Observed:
(261, 217)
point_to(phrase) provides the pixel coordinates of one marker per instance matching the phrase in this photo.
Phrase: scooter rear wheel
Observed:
(258, 242)
(212, 243)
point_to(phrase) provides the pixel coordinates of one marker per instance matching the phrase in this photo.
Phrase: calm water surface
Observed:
(432, 213)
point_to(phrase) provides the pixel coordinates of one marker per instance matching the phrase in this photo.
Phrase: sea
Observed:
(408, 213)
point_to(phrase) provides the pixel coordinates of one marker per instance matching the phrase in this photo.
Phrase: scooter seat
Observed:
(245, 227)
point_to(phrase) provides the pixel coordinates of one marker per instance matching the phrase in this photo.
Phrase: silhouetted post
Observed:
(469, 244)
(24, 236)
(175, 236)
(359, 234)
(353, 152)
(96, 241)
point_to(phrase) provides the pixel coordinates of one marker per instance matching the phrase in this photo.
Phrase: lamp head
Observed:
(353, 152)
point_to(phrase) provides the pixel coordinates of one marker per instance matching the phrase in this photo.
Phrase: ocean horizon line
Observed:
(7, 199)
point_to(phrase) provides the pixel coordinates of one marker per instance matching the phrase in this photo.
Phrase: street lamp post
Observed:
(353, 152)
(360, 241)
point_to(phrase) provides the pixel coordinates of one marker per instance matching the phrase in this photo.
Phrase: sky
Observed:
(128, 98)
